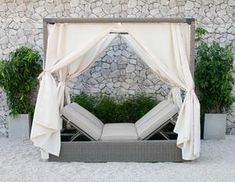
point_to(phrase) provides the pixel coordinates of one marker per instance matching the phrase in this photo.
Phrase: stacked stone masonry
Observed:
(118, 71)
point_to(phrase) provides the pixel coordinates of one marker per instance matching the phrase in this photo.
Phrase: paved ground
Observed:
(20, 162)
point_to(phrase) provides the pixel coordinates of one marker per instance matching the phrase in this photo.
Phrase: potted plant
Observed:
(18, 78)
(213, 78)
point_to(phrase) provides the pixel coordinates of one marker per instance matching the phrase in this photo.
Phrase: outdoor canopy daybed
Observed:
(72, 47)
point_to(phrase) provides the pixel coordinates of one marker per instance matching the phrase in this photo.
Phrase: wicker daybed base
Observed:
(138, 151)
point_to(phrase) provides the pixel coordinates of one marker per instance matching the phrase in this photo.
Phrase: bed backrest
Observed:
(155, 118)
(85, 120)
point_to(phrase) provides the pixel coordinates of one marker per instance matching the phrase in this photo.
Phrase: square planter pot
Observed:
(233, 131)
(214, 126)
(19, 126)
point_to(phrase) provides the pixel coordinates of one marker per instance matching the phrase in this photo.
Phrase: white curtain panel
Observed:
(165, 48)
(67, 44)
(77, 64)
(72, 48)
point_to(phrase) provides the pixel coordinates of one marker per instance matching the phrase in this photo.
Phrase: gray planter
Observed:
(233, 131)
(19, 127)
(214, 126)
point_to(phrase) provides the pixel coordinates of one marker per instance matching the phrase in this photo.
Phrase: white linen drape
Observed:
(163, 48)
(46, 122)
(188, 123)
(83, 60)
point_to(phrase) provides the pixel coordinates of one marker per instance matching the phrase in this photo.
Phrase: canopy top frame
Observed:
(190, 21)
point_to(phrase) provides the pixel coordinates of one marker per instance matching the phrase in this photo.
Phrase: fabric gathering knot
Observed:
(175, 96)
(42, 73)
(192, 89)
(62, 83)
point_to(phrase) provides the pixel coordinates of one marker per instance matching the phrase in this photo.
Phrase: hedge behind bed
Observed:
(116, 110)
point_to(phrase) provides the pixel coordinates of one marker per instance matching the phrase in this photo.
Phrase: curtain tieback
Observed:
(62, 83)
(42, 73)
(191, 89)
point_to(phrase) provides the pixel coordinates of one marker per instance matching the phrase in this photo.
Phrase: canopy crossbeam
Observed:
(118, 32)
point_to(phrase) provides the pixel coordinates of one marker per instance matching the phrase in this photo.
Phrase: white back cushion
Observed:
(155, 118)
(87, 114)
(84, 120)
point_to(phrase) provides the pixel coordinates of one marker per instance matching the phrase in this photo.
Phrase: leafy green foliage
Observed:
(85, 100)
(110, 110)
(107, 110)
(135, 107)
(199, 33)
(213, 77)
(18, 77)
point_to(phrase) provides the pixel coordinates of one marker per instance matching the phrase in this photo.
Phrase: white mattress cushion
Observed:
(119, 132)
(83, 119)
(155, 118)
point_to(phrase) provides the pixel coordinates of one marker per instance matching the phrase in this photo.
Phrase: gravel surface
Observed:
(20, 162)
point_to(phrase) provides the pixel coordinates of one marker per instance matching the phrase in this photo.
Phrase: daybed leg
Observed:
(165, 136)
(75, 136)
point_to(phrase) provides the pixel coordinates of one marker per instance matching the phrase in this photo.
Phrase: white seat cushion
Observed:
(119, 132)
(155, 118)
(83, 119)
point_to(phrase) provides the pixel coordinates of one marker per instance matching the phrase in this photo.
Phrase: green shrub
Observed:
(199, 33)
(111, 110)
(86, 101)
(18, 78)
(106, 109)
(213, 77)
(135, 107)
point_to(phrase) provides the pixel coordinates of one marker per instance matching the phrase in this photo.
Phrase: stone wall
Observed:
(118, 72)
(21, 25)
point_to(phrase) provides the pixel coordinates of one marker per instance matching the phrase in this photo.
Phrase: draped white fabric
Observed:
(46, 122)
(163, 47)
(72, 48)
